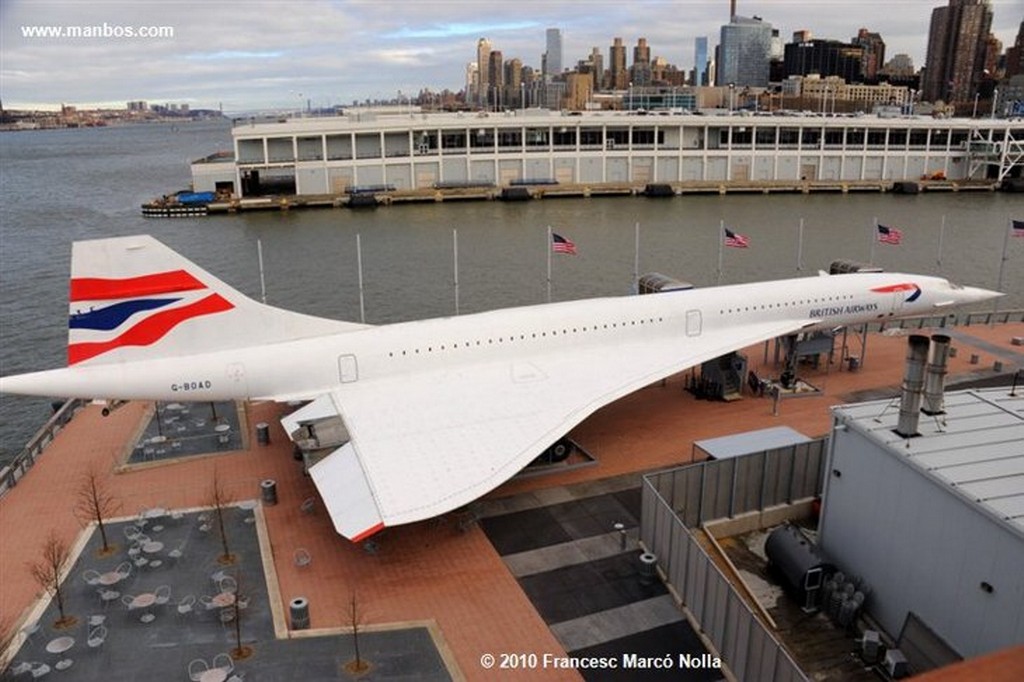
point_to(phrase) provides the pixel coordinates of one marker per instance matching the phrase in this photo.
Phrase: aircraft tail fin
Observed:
(133, 298)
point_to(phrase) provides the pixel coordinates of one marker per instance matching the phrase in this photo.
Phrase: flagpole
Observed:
(721, 243)
(549, 263)
(636, 259)
(942, 236)
(263, 282)
(800, 248)
(455, 258)
(359, 268)
(874, 238)
(1002, 264)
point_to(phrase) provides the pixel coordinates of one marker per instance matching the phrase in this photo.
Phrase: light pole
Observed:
(995, 100)
(732, 89)
(976, 96)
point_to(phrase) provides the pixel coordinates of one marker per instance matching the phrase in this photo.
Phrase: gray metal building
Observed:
(934, 523)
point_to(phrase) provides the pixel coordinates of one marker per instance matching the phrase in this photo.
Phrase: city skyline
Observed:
(288, 55)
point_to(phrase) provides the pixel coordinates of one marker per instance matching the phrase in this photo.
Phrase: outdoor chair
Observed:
(91, 577)
(224, 662)
(97, 636)
(302, 558)
(206, 601)
(40, 669)
(124, 569)
(186, 604)
(228, 584)
(20, 668)
(196, 668)
(308, 505)
(132, 532)
(163, 594)
(108, 595)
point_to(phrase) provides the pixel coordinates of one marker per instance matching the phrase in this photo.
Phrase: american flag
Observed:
(1017, 228)
(889, 235)
(560, 244)
(734, 240)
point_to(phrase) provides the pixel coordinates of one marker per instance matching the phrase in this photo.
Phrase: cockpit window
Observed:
(954, 285)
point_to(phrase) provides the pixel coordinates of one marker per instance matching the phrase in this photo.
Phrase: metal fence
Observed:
(23, 461)
(676, 500)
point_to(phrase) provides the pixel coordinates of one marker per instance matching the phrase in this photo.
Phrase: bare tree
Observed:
(94, 502)
(240, 652)
(46, 571)
(354, 617)
(218, 499)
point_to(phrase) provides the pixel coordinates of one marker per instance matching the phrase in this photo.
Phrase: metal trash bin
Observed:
(263, 433)
(648, 568)
(268, 492)
(298, 611)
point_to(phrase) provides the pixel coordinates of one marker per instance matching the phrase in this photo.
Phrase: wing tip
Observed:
(372, 530)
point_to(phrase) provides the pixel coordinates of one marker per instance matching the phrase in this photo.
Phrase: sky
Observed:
(244, 55)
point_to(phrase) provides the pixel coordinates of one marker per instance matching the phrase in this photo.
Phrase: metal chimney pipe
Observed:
(913, 382)
(935, 376)
(732, 9)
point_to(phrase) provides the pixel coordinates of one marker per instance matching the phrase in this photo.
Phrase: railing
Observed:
(19, 466)
(675, 500)
(965, 319)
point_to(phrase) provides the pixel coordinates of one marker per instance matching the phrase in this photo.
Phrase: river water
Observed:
(63, 185)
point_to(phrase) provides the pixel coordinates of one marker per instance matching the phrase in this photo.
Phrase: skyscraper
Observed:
(874, 53)
(1015, 55)
(483, 61)
(495, 77)
(617, 65)
(553, 54)
(744, 52)
(700, 69)
(955, 59)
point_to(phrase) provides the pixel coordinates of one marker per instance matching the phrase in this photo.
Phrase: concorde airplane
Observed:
(440, 411)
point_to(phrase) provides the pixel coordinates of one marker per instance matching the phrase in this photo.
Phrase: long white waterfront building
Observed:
(332, 155)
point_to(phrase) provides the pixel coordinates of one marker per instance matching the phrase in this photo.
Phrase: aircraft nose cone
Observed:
(976, 295)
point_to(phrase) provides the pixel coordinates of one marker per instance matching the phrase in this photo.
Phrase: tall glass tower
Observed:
(744, 52)
(700, 49)
(553, 54)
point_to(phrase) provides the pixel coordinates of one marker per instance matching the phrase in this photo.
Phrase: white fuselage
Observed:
(305, 368)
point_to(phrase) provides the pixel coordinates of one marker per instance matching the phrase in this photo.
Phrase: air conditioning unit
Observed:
(895, 664)
(871, 646)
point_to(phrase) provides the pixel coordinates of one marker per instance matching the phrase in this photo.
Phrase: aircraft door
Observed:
(693, 323)
(897, 302)
(348, 369)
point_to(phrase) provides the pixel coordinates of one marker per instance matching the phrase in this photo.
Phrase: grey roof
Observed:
(976, 448)
(745, 443)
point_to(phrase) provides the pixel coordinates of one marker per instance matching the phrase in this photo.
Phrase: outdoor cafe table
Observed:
(110, 578)
(223, 599)
(214, 675)
(143, 601)
(60, 644)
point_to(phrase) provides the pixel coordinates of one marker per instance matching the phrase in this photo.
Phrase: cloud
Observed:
(458, 30)
(247, 52)
(235, 54)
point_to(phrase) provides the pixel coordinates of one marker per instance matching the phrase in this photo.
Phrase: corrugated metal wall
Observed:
(677, 499)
